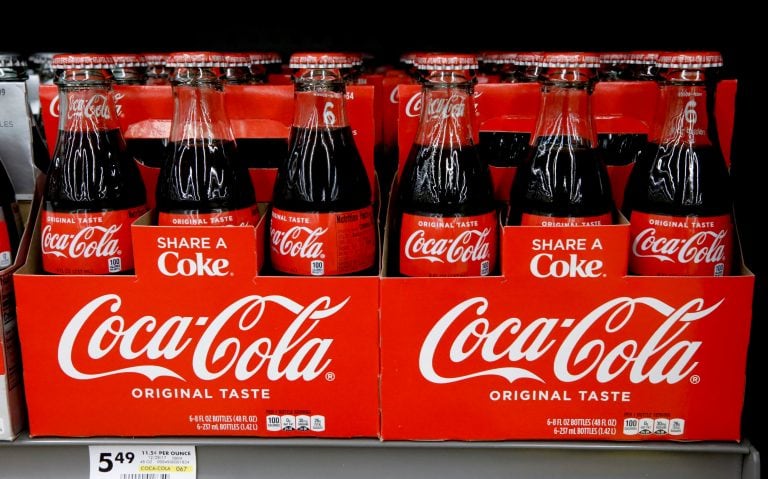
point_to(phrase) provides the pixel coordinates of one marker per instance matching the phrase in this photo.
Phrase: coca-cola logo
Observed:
(544, 265)
(451, 107)
(94, 107)
(224, 343)
(468, 245)
(393, 96)
(463, 338)
(298, 241)
(701, 247)
(91, 241)
(170, 263)
(413, 106)
(54, 108)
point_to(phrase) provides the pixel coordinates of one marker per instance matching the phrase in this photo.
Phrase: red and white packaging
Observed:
(13, 414)
(564, 344)
(195, 343)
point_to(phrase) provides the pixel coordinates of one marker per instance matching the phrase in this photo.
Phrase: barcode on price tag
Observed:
(158, 461)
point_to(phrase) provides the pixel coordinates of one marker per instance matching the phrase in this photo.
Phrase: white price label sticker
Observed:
(157, 461)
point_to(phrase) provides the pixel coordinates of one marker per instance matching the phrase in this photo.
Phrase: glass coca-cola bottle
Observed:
(445, 221)
(623, 147)
(613, 66)
(129, 69)
(642, 65)
(678, 197)
(236, 69)
(93, 191)
(157, 72)
(202, 181)
(259, 62)
(322, 221)
(563, 181)
(507, 148)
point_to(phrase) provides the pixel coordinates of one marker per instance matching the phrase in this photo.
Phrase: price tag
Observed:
(157, 461)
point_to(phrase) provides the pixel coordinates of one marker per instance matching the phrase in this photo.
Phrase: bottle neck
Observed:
(236, 75)
(198, 107)
(686, 103)
(86, 102)
(319, 99)
(566, 108)
(446, 106)
(128, 75)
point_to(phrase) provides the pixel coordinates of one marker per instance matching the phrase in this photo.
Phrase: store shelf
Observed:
(371, 459)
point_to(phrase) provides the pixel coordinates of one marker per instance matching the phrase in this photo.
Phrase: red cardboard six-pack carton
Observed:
(196, 342)
(563, 344)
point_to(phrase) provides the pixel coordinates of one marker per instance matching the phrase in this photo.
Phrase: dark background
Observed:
(385, 31)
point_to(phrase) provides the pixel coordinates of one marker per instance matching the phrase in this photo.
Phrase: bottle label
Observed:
(448, 246)
(680, 245)
(322, 244)
(6, 255)
(528, 219)
(88, 243)
(242, 217)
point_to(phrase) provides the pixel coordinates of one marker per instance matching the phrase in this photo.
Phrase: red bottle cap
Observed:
(501, 58)
(156, 58)
(569, 60)
(82, 60)
(689, 60)
(320, 60)
(613, 57)
(529, 58)
(445, 61)
(127, 60)
(265, 58)
(195, 59)
(237, 60)
(643, 58)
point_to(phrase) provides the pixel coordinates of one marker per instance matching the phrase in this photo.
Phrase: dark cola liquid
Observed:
(445, 181)
(92, 171)
(262, 152)
(149, 152)
(440, 181)
(679, 180)
(560, 179)
(202, 177)
(503, 148)
(323, 173)
(621, 148)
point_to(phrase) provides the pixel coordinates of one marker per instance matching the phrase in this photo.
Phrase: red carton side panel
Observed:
(634, 359)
